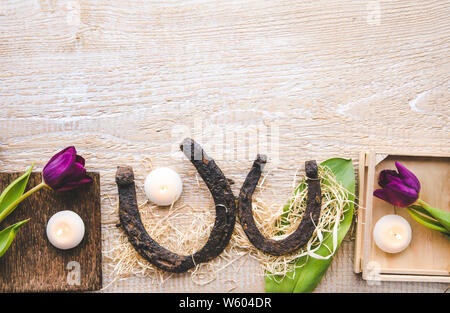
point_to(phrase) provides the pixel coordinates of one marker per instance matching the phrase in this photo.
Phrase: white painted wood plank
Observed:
(124, 80)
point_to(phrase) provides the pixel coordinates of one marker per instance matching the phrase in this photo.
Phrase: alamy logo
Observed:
(373, 13)
(74, 274)
(373, 273)
(73, 13)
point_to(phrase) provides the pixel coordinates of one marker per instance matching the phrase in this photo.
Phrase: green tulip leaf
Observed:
(308, 276)
(427, 222)
(7, 236)
(443, 217)
(421, 210)
(13, 192)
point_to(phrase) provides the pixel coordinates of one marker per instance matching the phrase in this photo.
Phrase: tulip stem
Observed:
(13, 205)
(442, 216)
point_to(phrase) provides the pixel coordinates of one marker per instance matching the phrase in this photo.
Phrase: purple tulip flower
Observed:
(398, 188)
(65, 171)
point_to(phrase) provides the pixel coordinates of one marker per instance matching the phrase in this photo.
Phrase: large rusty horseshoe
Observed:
(307, 225)
(220, 235)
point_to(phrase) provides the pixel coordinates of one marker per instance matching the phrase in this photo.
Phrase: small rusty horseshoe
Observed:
(307, 225)
(220, 235)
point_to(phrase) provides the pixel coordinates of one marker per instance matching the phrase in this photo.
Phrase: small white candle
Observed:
(392, 233)
(65, 230)
(163, 186)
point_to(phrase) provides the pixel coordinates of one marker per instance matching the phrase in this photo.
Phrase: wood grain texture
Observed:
(32, 264)
(296, 80)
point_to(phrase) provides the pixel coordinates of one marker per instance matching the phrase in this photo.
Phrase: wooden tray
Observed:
(32, 264)
(427, 259)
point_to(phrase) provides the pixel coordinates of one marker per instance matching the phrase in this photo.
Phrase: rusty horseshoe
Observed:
(307, 225)
(225, 206)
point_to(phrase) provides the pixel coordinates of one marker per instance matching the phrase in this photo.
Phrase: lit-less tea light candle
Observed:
(392, 233)
(163, 186)
(65, 230)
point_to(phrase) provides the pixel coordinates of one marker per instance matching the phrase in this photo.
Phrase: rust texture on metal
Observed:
(307, 225)
(220, 235)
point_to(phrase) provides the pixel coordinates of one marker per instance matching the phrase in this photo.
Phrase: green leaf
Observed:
(7, 236)
(421, 210)
(442, 216)
(427, 222)
(13, 192)
(307, 277)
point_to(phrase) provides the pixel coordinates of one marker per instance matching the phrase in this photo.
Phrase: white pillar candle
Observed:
(163, 186)
(65, 230)
(392, 233)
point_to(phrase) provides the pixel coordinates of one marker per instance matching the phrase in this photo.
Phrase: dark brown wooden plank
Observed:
(32, 263)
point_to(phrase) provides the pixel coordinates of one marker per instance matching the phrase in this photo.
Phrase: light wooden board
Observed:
(125, 80)
(429, 251)
(32, 264)
(428, 256)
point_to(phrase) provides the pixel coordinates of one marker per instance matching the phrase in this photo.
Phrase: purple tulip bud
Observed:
(65, 171)
(398, 188)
